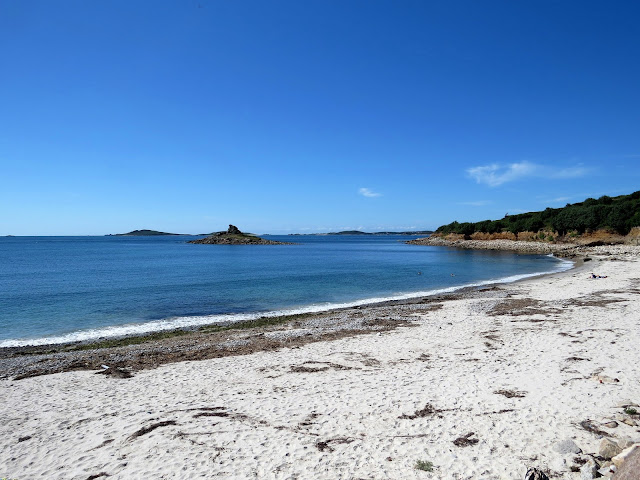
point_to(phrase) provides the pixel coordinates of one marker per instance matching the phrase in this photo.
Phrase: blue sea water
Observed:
(57, 289)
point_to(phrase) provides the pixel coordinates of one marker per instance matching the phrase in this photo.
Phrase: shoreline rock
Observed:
(568, 250)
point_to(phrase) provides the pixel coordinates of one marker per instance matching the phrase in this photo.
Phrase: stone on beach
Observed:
(567, 446)
(608, 448)
(589, 470)
(630, 469)
(625, 455)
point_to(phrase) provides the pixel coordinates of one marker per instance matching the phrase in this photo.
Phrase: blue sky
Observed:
(306, 116)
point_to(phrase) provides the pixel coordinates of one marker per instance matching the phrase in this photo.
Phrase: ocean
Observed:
(62, 289)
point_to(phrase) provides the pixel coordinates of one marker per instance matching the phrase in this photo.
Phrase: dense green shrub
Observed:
(619, 214)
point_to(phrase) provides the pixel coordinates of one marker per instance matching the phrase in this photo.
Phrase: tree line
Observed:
(619, 214)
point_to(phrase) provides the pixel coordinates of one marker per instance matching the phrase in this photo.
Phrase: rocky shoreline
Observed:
(127, 355)
(567, 250)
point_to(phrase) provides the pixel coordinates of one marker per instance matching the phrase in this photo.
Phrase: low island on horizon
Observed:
(156, 233)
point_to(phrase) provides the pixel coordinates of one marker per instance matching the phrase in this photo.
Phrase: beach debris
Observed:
(106, 367)
(535, 474)
(511, 393)
(608, 448)
(577, 359)
(211, 414)
(326, 445)
(309, 420)
(24, 439)
(566, 447)
(590, 427)
(98, 475)
(504, 410)
(466, 440)
(103, 444)
(604, 379)
(151, 428)
(421, 413)
(312, 367)
(116, 372)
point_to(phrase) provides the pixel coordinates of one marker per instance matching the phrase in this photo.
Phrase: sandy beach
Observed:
(477, 386)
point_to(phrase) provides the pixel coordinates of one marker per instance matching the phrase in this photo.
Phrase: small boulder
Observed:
(622, 457)
(607, 471)
(611, 424)
(589, 470)
(630, 467)
(625, 443)
(608, 449)
(566, 447)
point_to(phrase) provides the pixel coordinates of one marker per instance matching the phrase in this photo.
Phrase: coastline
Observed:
(344, 393)
(196, 326)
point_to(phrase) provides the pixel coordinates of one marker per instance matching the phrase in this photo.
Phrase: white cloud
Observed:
(556, 200)
(494, 175)
(367, 192)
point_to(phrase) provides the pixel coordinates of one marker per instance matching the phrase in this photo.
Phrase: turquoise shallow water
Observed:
(55, 289)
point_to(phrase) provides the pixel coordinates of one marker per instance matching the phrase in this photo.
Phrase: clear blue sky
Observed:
(305, 116)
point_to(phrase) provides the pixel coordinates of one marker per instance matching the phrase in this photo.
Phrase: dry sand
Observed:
(520, 366)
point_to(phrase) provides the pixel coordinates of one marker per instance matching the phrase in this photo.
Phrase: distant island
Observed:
(142, 233)
(233, 236)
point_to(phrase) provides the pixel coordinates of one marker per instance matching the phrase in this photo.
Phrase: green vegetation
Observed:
(424, 465)
(630, 411)
(619, 214)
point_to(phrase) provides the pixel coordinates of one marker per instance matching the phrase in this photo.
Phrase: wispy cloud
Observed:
(494, 175)
(477, 203)
(556, 200)
(367, 192)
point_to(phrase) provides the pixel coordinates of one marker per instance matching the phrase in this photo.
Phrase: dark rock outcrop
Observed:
(233, 236)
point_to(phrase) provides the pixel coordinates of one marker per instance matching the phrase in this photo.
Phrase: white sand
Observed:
(277, 416)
